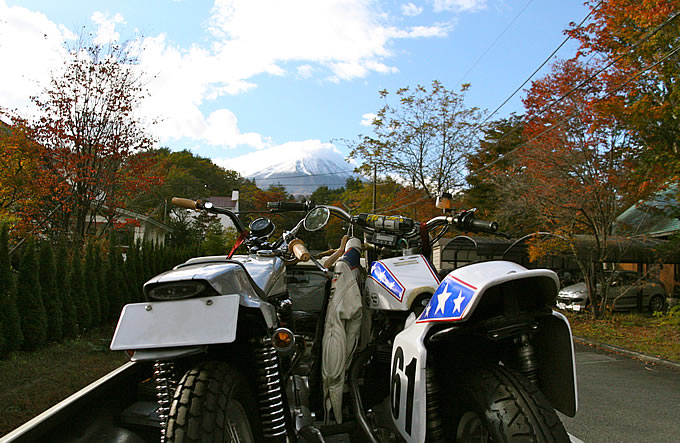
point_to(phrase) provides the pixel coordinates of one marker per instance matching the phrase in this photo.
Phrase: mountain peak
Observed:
(301, 176)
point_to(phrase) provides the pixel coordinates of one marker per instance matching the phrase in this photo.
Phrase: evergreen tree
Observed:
(139, 272)
(90, 285)
(29, 300)
(146, 256)
(68, 309)
(100, 271)
(131, 275)
(113, 282)
(80, 299)
(10, 323)
(51, 299)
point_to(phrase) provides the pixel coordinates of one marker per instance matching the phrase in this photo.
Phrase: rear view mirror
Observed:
(317, 218)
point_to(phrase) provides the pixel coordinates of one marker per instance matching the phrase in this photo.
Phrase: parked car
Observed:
(627, 291)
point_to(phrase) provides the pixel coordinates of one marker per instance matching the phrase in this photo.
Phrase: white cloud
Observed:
(349, 37)
(335, 40)
(367, 119)
(221, 129)
(305, 71)
(459, 5)
(411, 10)
(106, 33)
(31, 47)
(256, 161)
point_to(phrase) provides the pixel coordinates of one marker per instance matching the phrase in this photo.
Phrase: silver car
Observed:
(627, 291)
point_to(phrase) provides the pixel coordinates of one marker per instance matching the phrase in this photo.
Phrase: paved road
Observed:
(624, 400)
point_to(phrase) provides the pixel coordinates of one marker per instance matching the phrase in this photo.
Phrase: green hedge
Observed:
(48, 296)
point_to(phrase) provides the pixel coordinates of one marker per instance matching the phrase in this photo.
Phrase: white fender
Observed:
(454, 301)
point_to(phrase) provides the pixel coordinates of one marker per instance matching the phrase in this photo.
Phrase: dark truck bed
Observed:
(119, 407)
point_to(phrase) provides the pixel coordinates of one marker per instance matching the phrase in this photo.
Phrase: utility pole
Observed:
(375, 178)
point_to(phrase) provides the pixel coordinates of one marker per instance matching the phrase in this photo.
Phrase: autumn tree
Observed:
(639, 40)
(21, 181)
(423, 137)
(94, 140)
(577, 162)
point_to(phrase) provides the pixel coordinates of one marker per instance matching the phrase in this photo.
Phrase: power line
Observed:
(525, 81)
(495, 41)
(644, 38)
(565, 119)
(307, 175)
(540, 67)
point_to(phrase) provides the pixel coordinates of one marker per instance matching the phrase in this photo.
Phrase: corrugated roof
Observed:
(650, 218)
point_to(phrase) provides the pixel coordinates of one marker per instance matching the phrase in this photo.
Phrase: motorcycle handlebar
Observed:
(209, 207)
(484, 226)
(184, 203)
(298, 248)
(281, 206)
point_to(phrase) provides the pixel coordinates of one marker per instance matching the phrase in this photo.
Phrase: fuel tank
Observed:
(231, 276)
(394, 283)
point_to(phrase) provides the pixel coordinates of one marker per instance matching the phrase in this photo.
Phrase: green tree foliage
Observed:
(10, 321)
(29, 299)
(133, 274)
(63, 289)
(114, 282)
(100, 272)
(217, 240)
(90, 285)
(497, 184)
(185, 175)
(50, 294)
(326, 196)
(81, 301)
(423, 138)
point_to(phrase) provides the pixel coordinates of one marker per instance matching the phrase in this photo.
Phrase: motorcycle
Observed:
(476, 356)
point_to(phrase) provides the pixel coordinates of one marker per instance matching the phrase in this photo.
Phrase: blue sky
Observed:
(249, 83)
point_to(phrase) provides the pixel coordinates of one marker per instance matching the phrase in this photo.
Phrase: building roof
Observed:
(223, 202)
(144, 218)
(652, 217)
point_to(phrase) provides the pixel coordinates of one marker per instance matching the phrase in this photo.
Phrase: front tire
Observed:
(213, 403)
(500, 405)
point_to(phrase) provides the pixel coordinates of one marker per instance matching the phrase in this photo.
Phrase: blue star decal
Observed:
(449, 301)
(387, 280)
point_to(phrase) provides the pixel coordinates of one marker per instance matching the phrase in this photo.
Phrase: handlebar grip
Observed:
(287, 206)
(298, 248)
(484, 226)
(184, 203)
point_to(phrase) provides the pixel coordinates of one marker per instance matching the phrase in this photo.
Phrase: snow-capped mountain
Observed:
(303, 176)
